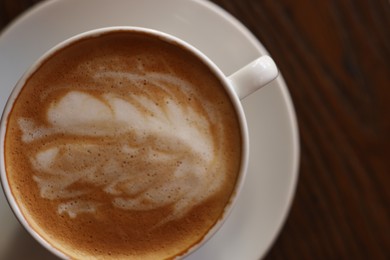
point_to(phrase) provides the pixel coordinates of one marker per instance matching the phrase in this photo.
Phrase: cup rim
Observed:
(162, 36)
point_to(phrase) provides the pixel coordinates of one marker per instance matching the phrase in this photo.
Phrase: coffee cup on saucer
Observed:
(126, 142)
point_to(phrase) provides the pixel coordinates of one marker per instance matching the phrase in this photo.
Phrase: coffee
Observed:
(122, 145)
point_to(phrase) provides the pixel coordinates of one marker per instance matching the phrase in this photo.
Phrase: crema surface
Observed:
(122, 146)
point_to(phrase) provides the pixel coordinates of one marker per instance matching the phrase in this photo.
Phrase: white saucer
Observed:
(265, 200)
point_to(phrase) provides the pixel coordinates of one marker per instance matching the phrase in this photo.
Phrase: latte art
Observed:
(156, 133)
(123, 146)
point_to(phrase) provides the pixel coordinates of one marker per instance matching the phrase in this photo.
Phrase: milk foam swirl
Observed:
(141, 152)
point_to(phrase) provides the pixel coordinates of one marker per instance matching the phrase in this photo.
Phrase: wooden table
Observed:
(335, 58)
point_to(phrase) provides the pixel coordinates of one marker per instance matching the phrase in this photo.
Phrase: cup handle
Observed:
(253, 76)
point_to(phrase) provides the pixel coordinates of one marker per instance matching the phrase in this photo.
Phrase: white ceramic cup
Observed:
(238, 85)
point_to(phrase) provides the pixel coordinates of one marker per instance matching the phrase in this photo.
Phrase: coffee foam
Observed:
(109, 115)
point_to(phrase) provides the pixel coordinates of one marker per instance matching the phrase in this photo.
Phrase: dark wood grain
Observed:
(335, 57)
